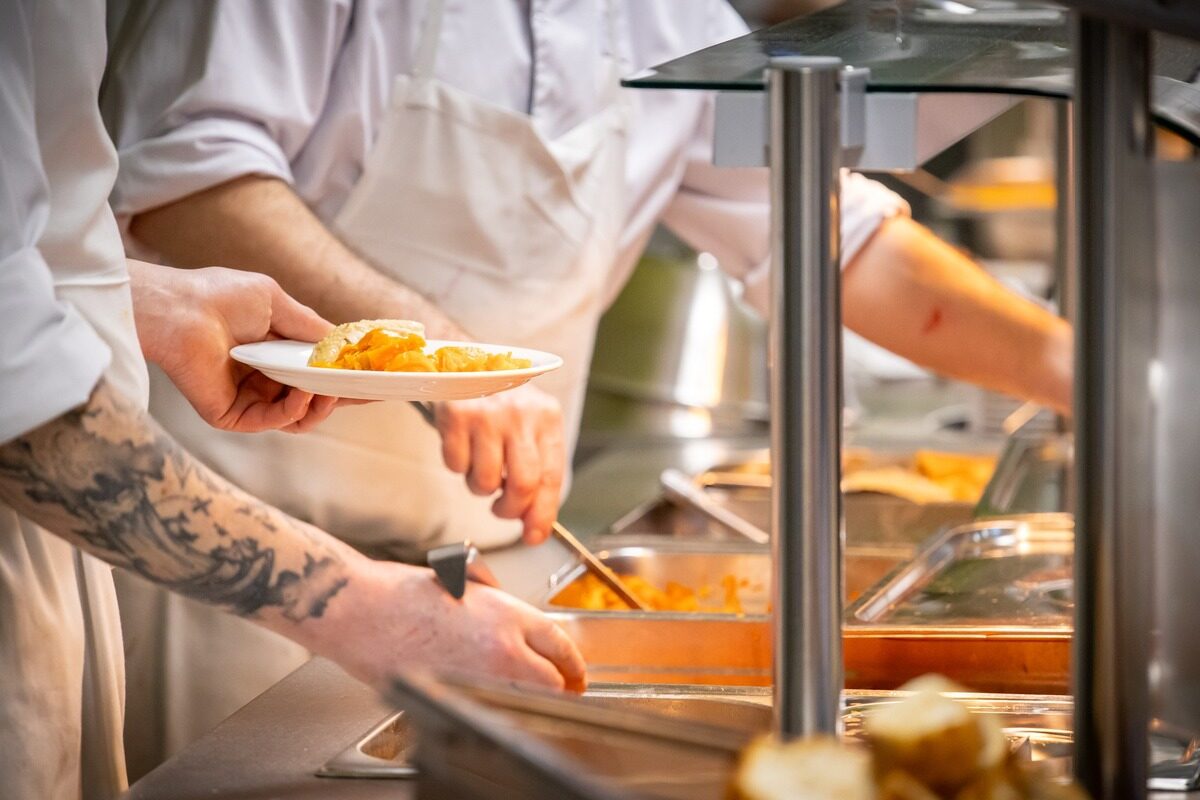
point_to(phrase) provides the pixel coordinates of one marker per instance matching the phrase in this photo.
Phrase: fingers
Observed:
(291, 319)
(281, 414)
(261, 404)
(487, 459)
(512, 442)
(456, 437)
(523, 474)
(318, 411)
(552, 643)
(543, 508)
(526, 666)
(499, 639)
(473, 441)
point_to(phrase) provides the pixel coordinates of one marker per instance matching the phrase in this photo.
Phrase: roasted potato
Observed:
(933, 738)
(897, 785)
(809, 769)
(927, 746)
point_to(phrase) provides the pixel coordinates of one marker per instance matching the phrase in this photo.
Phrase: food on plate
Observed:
(590, 594)
(474, 359)
(396, 345)
(927, 746)
(326, 351)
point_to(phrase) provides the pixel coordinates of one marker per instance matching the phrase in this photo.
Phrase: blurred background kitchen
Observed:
(678, 356)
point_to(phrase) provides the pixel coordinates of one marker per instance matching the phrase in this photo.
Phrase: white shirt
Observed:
(202, 93)
(58, 238)
(65, 319)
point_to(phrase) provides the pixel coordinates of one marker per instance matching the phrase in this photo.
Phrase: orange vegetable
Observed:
(472, 359)
(385, 350)
(590, 594)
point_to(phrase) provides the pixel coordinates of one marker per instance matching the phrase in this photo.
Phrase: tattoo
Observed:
(107, 478)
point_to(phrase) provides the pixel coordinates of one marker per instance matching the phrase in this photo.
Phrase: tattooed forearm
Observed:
(107, 478)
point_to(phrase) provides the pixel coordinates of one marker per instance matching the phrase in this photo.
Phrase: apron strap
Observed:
(431, 34)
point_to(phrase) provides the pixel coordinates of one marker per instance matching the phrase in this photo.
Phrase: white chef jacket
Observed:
(66, 320)
(50, 358)
(297, 91)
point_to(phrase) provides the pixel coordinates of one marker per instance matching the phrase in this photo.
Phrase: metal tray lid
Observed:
(483, 740)
(1014, 571)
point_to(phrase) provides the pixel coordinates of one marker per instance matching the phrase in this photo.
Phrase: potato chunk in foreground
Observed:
(810, 769)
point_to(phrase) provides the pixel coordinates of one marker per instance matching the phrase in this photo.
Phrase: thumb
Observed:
(291, 319)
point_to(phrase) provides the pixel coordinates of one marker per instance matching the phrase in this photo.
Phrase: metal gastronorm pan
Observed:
(723, 649)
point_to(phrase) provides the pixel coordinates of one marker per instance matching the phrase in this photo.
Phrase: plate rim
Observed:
(554, 362)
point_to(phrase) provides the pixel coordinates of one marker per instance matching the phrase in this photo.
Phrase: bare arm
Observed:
(919, 297)
(108, 480)
(259, 224)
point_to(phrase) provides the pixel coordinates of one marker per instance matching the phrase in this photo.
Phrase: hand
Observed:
(187, 320)
(511, 441)
(391, 617)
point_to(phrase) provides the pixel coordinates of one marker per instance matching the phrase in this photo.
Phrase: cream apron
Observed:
(511, 234)
(61, 670)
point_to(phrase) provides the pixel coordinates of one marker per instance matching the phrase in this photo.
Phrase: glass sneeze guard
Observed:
(1016, 47)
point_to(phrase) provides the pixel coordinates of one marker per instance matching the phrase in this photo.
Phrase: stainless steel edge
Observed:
(806, 393)
(679, 487)
(356, 762)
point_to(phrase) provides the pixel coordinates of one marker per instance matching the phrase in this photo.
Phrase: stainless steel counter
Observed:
(271, 748)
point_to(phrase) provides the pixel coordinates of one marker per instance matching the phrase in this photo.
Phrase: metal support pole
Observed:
(1115, 335)
(1064, 210)
(806, 393)
(1065, 235)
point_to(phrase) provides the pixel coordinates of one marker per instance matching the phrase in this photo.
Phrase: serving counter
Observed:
(275, 745)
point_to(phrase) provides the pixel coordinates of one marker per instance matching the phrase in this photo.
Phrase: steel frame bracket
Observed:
(880, 132)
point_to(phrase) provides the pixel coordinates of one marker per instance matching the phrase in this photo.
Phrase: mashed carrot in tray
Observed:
(398, 346)
(589, 594)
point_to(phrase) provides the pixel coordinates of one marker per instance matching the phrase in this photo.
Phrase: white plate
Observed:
(286, 361)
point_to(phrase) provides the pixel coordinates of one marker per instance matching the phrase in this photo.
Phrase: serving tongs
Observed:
(597, 567)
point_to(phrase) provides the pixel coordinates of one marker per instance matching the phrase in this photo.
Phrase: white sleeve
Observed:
(200, 93)
(726, 211)
(50, 358)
